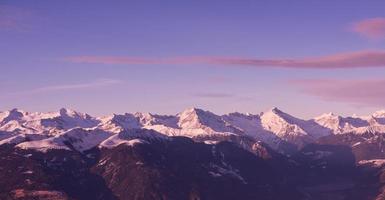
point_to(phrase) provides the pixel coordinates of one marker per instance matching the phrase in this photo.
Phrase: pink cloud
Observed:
(372, 28)
(366, 92)
(139, 60)
(361, 59)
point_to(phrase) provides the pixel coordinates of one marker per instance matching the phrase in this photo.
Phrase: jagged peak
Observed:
(276, 111)
(241, 115)
(14, 114)
(249, 114)
(196, 113)
(192, 110)
(66, 112)
(115, 116)
(379, 113)
(273, 110)
(327, 115)
(143, 115)
(17, 111)
(196, 118)
(235, 114)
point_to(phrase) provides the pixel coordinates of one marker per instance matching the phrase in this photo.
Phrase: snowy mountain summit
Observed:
(72, 130)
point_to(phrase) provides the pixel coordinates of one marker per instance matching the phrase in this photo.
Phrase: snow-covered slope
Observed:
(355, 124)
(72, 130)
(131, 137)
(79, 139)
(196, 122)
(66, 119)
(251, 125)
(117, 123)
(45, 123)
(290, 128)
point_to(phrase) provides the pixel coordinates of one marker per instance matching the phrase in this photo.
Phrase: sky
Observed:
(305, 57)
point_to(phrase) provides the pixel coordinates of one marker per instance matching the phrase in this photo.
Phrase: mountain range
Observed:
(41, 131)
(194, 154)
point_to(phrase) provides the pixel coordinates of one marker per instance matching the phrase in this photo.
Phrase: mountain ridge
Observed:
(273, 127)
(194, 154)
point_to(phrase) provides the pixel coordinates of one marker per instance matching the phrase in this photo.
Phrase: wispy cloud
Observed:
(361, 59)
(64, 87)
(213, 95)
(373, 28)
(128, 60)
(365, 92)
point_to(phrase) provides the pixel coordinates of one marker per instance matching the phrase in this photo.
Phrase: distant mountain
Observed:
(194, 154)
(274, 127)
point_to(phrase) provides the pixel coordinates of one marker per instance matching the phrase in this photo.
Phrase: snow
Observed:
(115, 141)
(211, 142)
(379, 114)
(35, 130)
(355, 124)
(279, 123)
(67, 119)
(195, 122)
(79, 139)
(3, 115)
(247, 123)
(374, 163)
(148, 119)
(28, 172)
(356, 144)
(116, 123)
(16, 139)
(43, 145)
(83, 139)
(132, 137)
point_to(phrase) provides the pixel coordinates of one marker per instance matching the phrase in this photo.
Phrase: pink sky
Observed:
(163, 57)
(373, 28)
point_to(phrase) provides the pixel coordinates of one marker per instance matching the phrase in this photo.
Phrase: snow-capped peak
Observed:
(66, 111)
(72, 113)
(270, 126)
(379, 114)
(327, 115)
(67, 119)
(338, 124)
(281, 123)
(190, 118)
(14, 114)
(116, 123)
(329, 120)
(197, 118)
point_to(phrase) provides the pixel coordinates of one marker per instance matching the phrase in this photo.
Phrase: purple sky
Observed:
(306, 57)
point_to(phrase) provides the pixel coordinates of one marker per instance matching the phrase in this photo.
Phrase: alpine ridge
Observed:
(273, 127)
(195, 154)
